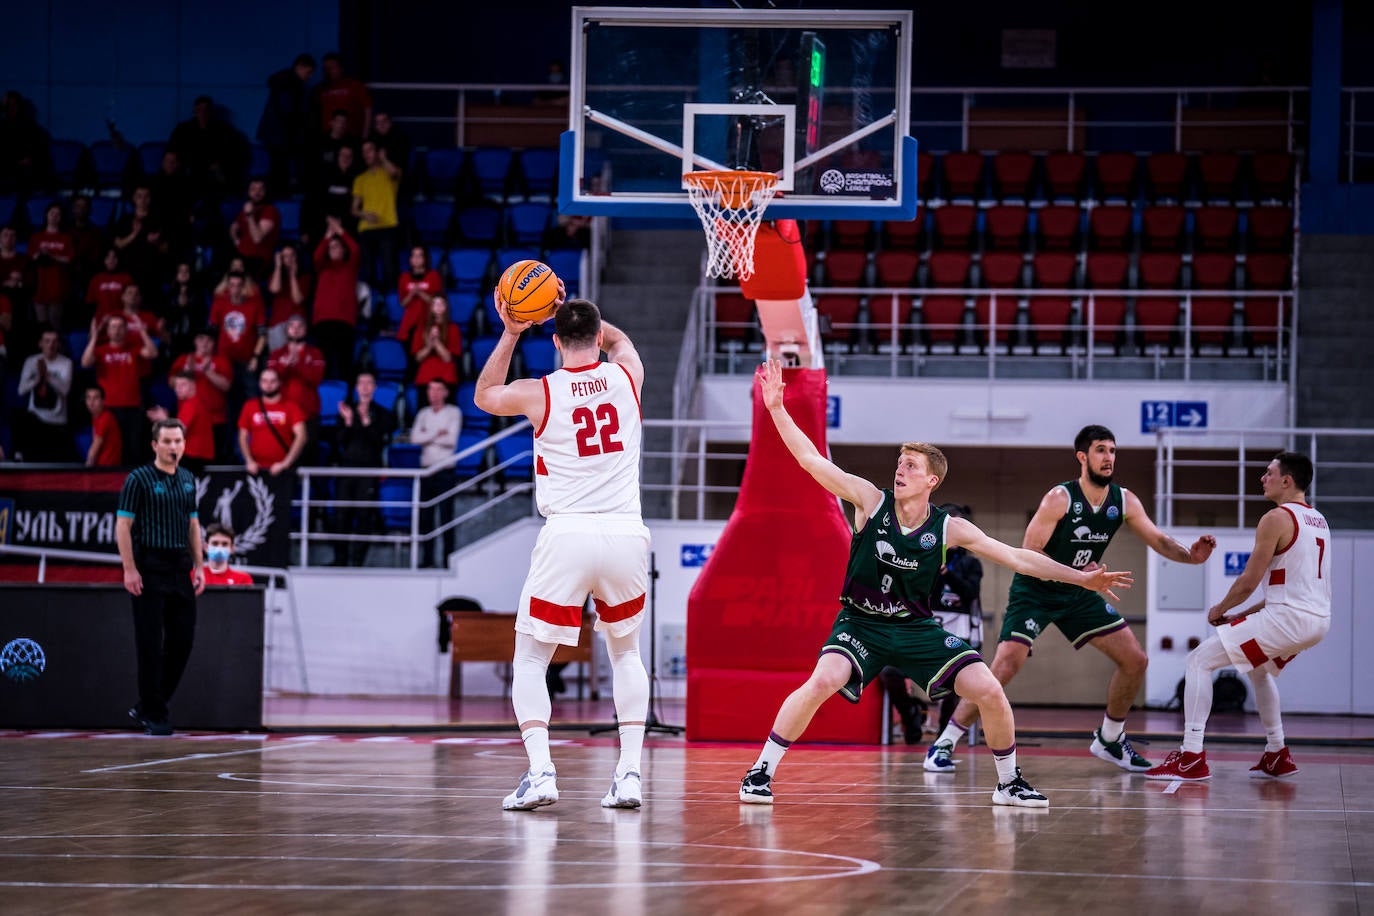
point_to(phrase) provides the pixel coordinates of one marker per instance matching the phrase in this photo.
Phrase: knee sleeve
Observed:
(630, 682)
(1197, 685)
(528, 692)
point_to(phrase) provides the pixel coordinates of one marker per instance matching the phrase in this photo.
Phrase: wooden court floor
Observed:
(354, 823)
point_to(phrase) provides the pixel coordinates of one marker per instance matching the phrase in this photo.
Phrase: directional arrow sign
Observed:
(1190, 414)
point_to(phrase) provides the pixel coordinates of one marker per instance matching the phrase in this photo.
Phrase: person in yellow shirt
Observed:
(374, 205)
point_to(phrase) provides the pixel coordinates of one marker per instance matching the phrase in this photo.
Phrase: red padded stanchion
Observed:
(768, 595)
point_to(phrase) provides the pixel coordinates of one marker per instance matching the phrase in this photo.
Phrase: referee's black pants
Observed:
(164, 628)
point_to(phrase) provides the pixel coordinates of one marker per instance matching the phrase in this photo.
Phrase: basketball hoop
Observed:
(730, 204)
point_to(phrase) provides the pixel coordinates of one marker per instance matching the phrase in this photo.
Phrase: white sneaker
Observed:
(535, 790)
(1018, 793)
(625, 792)
(939, 759)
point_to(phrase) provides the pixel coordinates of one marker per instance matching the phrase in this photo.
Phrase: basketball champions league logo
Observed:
(22, 660)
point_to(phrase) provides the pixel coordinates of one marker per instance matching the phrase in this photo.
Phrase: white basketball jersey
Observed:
(586, 453)
(1299, 576)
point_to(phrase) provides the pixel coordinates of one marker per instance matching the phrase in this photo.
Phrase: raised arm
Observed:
(855, 490)
(960, 532)
(1139, 522)
(620, 349)
(522, 396)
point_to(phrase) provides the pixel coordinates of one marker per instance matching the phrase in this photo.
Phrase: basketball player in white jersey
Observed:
(586, 418)
(1292, 560)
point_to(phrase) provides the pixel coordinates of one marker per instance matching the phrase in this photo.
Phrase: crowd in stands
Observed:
(296, 300)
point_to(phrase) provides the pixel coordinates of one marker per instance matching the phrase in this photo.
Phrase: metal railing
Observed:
(1358, 148)
(270, 573)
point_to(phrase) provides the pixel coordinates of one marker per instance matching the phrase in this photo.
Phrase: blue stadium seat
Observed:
(398, 494)
(461, 308)
(388, 394)
(479, 226)
(412, 401)
(389, 359)
(331, 392)
(492, 165)
(468, 268)
(84, 438)
(432, 219)
(76, 342)
(162, 395)
(519, 451)
(259, 160)
(567, 264)
(527, 222)
(473, 416)
(403, 455)
(103, 211)
(539, 355)
(8, 204)
(290, 211)
(394, 312)
(109, 161)
(66, 161)
(37, 208)
(442, 168)
(150, 156)
(472, 465)
(540, 170)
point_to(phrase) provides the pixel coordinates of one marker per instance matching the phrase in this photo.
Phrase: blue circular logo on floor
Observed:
(22, 660)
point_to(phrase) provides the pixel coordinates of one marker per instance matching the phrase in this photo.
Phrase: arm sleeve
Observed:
(130, 498)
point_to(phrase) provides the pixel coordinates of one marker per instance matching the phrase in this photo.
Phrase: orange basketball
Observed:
(530, 288)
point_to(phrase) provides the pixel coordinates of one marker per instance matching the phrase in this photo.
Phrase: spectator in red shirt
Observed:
(417, 290)
(241, 321)
(336, 297)
(219, 546)
(301, 369)
(200, 433)
(52, 251)
(256, 229)
(118, 367)
(289, 289)
(105, 294)
(437, 345)
(214, 376)
(140, 323)
(107, 443)
(339, 92)
(271, 429)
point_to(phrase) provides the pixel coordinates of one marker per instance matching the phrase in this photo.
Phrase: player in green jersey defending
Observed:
(885, 614)
(1074, 524)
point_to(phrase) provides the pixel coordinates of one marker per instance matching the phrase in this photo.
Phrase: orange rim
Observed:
(736, 186)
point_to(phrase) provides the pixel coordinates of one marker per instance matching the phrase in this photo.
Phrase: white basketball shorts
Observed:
(577, 556)
(1271, 637)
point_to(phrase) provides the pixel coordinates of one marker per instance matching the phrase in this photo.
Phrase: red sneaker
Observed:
(1181, 765)
(1275, 764)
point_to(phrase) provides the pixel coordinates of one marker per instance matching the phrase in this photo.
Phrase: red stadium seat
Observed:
(1273, 174)
(1157, 320)
(1211, 321)
(1064, 173)
(1007, 226)
(1049, 320)
(850, 233)
(963, 175)
(1006, 318)
(1107, 269)
(925, 170)
(881, 316)
(1002, 269)
(1216, 228)
(1012, 173)
(1214, 270)
(949, 268)
(734, 318)
(1262, 320)
(1268, 271)
(896, 268)
(1219, 175)
(905, 234)
(955, 225)
(1162, 227)
(1160, 270)
(1058, 226)
(1116, 175)
(1108, 317)
(1270, 228)
(1054, 269)
(844, 267)
(841, 314)
(942, 318)
(1166, 173)
(1109, 227)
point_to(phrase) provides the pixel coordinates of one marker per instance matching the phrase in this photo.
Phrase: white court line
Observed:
(1024, 873)
(153, 763)
(1173, 787)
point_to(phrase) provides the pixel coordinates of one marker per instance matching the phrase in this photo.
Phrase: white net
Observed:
(730, 205)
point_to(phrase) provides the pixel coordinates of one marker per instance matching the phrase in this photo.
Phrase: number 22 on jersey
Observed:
(596, 431)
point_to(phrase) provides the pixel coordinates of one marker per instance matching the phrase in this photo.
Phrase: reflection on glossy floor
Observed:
(413, 823)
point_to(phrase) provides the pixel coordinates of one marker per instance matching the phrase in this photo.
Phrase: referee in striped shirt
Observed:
(159, 542)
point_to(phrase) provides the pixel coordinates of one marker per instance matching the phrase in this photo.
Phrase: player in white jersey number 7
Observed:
(587, 433)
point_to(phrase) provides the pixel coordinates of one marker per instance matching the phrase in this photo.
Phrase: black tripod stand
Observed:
(651, 721)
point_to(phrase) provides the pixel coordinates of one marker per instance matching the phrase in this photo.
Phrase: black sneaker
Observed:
(150, 726)
(757, 787)
(1019, 793)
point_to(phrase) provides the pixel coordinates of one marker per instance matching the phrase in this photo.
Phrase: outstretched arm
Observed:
(960, 532)
(1161, 543)
(1273, 530)
(848, 487)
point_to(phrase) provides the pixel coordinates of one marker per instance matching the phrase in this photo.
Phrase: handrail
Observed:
(271, 572)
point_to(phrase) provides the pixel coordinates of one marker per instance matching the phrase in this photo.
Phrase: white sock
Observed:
(952, 733)
(1006, 765)
(631, 744)
(1112, 729)
(1197, 690)
(772, 752)
(536, 740)
(1267, 702)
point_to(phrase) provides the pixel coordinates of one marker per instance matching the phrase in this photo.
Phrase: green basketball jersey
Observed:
(891, 574)
(1080, 537)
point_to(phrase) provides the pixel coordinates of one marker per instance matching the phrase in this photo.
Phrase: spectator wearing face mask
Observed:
(219, 546)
